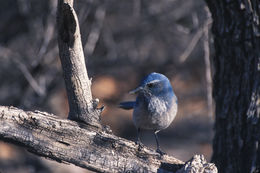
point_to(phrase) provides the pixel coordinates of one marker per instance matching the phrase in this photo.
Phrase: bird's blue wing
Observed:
(127, 105)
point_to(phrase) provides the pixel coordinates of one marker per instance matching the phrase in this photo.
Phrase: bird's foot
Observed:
(140, 145)
(158, 150)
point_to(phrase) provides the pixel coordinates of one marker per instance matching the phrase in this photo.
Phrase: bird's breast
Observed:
(157, 106)
(156, 114)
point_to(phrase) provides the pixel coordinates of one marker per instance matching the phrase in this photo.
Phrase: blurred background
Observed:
(123, 41)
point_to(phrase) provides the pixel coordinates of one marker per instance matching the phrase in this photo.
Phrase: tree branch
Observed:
(83, 145)
(82, 107)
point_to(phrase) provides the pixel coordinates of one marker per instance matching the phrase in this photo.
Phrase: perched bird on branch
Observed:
(155, 106)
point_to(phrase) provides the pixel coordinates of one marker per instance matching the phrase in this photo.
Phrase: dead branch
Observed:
(82, 107)
(83, 145)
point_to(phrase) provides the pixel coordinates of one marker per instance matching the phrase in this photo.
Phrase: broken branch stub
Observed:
(78, 85)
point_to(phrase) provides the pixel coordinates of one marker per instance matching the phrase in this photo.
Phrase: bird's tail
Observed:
(127, 105)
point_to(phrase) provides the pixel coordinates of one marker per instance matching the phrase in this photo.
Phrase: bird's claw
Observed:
(160, 152)
(140, 145)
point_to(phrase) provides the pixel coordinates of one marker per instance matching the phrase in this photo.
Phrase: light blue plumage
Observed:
(155, 106)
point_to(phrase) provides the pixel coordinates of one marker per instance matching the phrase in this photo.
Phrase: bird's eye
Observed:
(150, 85)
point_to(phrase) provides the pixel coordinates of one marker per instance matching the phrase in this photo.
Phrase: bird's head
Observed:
(155, 84)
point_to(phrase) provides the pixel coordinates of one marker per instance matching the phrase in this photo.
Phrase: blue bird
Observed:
(155, 106)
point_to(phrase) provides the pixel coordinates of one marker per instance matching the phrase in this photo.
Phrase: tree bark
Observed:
(236, 30)
(81, 105)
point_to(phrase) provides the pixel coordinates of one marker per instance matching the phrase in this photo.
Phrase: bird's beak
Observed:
(136, 90)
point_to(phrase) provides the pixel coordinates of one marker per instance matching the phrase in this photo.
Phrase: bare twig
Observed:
(191, 46)
(95, 30)
(207, 64)
(48, 36)
(33, 83)
(194, 41)
(5, 52)
(110, 43)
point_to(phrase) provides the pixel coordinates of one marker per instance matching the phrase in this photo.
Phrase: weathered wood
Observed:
(82, 106)
(83, 145)
(198, 164)
(236, 29)
(86, 146)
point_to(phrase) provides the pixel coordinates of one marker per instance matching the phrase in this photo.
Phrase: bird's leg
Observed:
(158, 150)
(138, 142)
